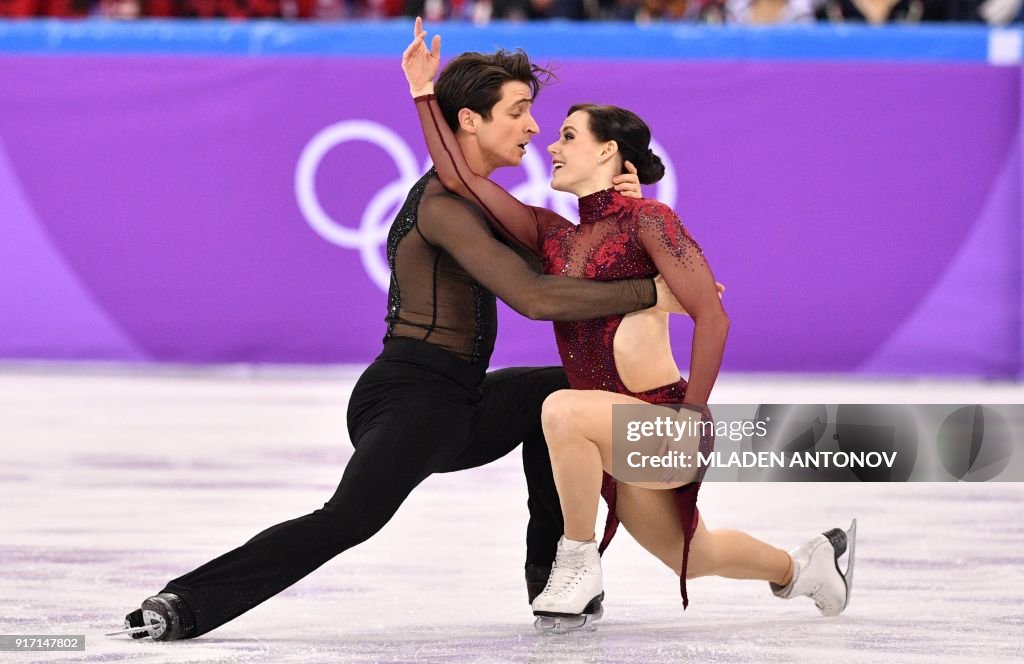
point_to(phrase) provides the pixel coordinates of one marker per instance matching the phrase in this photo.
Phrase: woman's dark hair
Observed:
(474, 80)
(611, 123)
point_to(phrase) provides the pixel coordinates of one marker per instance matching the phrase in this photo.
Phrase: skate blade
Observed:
(585, 622)
(132, 630)
(155, 627)
(851, 545)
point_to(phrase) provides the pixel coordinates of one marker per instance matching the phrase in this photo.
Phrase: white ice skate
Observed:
(572, 597)
(816, 571)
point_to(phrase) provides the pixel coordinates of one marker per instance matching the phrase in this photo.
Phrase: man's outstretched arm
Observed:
(457, 227)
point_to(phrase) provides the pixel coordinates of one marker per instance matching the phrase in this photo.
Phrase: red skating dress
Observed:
(617, 238)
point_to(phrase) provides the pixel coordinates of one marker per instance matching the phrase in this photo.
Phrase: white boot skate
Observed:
(816, 571)
(572, 597)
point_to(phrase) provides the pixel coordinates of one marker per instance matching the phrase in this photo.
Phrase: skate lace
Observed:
(820, 600)
(566, 573)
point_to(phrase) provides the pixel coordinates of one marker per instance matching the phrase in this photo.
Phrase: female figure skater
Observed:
(620, 359)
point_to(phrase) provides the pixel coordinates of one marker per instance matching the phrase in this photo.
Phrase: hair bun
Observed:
(649, 168)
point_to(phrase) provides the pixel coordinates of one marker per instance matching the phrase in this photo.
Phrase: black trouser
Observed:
(415, 411)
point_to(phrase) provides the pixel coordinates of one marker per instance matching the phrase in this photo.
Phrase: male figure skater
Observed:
(427, 404)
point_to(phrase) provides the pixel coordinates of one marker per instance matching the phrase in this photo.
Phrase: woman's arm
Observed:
(507, 215)
(681, 262)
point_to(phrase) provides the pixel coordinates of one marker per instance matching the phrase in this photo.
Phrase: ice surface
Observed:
(114, 481)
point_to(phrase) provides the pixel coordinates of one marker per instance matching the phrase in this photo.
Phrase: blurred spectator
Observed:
(160, 8)
(440, 10)
(519, 10)
(232, 9)
(1000, 12)
(742, 12)
(882, 11)
(655, 11)
(327, 10)
(615, 10)
(120, 9)
(693, 11)
(768, 12)
(26, 8)
(482, 11)
(237, 9)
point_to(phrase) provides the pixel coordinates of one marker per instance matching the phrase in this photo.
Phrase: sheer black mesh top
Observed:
(431, 297)
(447, 267)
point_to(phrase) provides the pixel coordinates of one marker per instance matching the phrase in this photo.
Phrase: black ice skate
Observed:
(163, 617)
(816, 572)
(536, 579)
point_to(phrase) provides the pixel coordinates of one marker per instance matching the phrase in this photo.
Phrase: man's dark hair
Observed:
(474, 80)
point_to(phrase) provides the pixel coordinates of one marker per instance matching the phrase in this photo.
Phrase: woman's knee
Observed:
(559, 414)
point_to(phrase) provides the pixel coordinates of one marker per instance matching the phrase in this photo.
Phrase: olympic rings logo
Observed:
(376, 219)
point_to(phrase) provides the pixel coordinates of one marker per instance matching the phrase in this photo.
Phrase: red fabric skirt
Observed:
(685, 496)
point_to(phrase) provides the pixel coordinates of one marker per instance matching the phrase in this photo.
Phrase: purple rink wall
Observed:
(183, 204)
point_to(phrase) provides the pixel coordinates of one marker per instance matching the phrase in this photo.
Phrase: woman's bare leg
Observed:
(652, 518)
(578, 426)
(734, 554)
(578, 429)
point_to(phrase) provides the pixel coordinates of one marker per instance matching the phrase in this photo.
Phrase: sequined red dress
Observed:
(617, 238)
